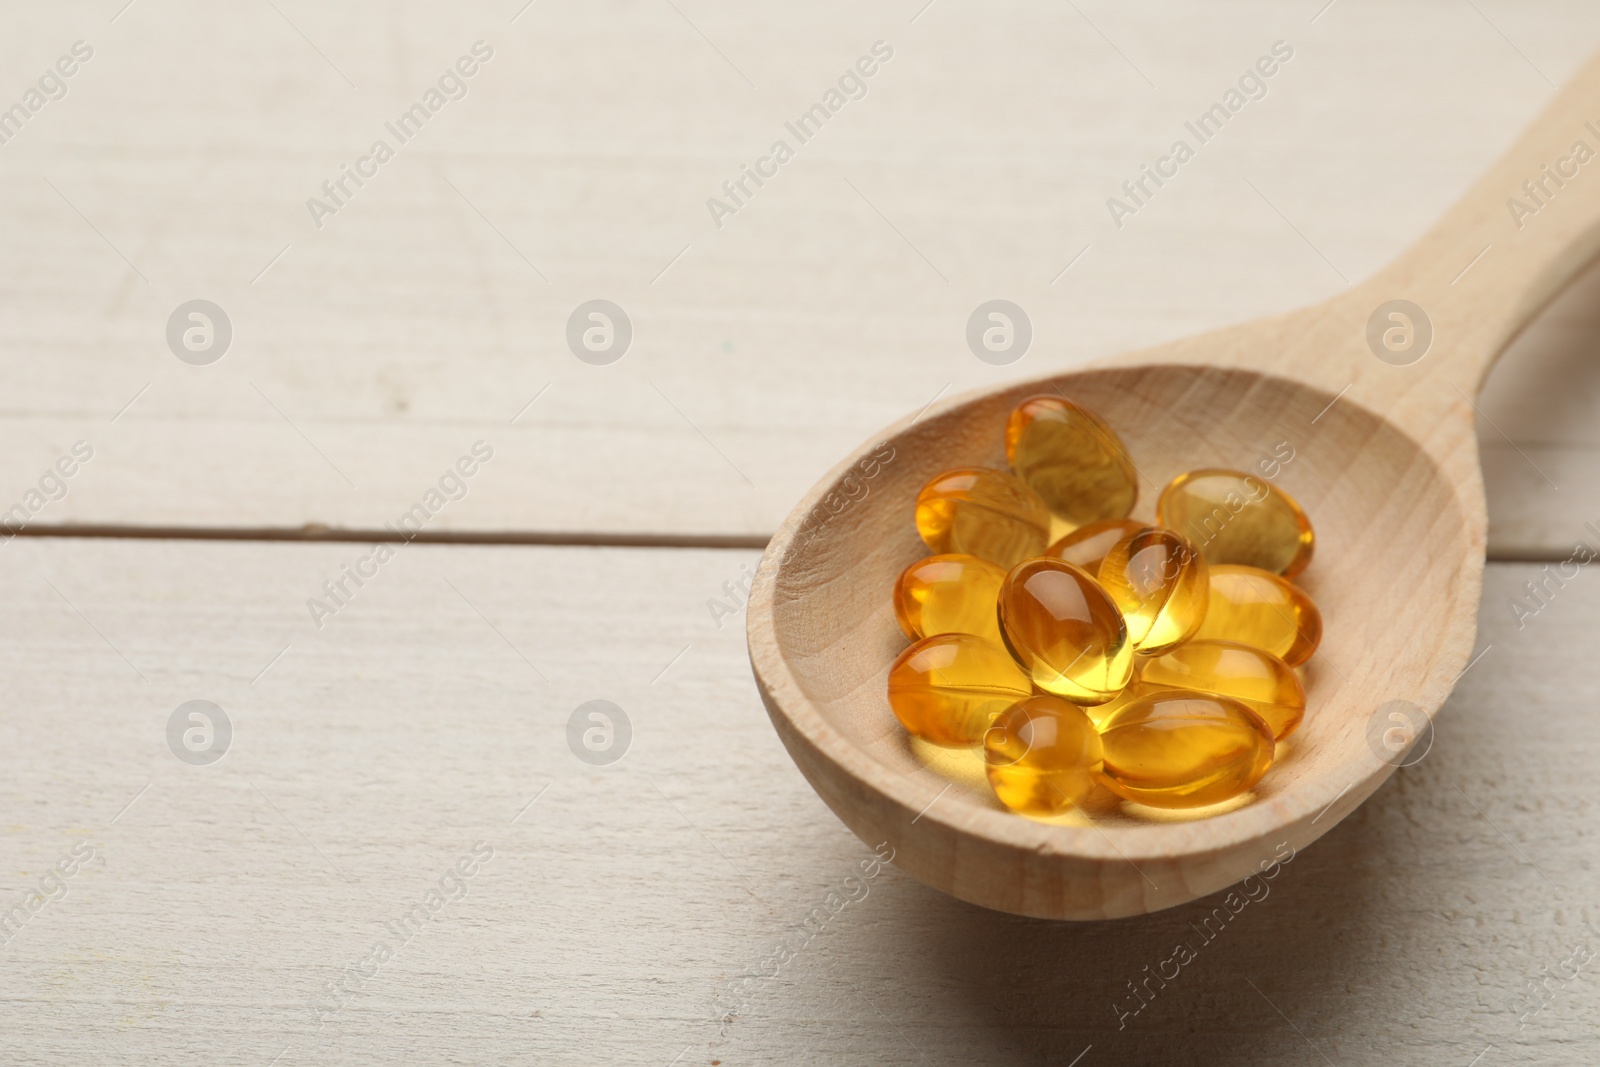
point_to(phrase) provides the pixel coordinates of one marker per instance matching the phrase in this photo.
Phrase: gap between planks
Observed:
(369, 536)
(507, 537)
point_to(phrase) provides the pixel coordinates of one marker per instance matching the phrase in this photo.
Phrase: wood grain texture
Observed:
(1537, 436)
(623, 908)
(620, 912)
(415, 321)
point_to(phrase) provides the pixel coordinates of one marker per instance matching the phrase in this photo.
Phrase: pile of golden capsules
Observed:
(1157, 662)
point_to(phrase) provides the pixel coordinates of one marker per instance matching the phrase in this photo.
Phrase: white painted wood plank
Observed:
(376, 349)
(619, 907)
(1538, 433)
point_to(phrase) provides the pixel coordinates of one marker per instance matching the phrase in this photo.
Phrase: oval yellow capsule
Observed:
(1099, 713)
(1233, 517)
(1175, 749)
(1159, 583)
(1065, 631)
(1042, 755)
(1253, 607)
(1075, 462)
(949, 594)
(1259, 680)
(985, 513)
(948, 688)
(1087, 545)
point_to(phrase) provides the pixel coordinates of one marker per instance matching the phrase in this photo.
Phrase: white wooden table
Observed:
(630, 912)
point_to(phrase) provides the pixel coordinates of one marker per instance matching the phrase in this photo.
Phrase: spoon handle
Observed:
(1496, 258)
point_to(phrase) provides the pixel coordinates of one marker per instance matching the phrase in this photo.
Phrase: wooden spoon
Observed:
(1375, 401)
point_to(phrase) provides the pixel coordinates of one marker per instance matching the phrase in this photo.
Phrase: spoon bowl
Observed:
(834, 636)
(1360, 408)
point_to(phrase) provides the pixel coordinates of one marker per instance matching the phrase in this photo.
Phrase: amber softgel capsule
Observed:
(948, 688)
(1087, 545)
(1065, 631)
(1042, 755)
(1254, 607)
(1075, 462)
(1159, 583)
(951, 593)
(1259, 680)
(1175, 749)
(1135, 690)
(985, 513)
(1233, 517)
(1157, 661)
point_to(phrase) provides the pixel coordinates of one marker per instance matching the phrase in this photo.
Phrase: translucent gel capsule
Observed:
(1262, 610)
(1071, 459)
(983, 513)
(1065, 631)
(1042, 755)
(1099, 713)
(949, 594)
(1233, 517)
(1175, 749)
(1159, 583)
(948, 688)
(1259, 680)
(1087, 545)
